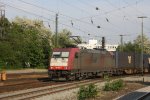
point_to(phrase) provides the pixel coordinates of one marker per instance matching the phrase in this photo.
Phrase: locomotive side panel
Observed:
(109, 61)
(94, 61)
(72, 58)
(88, 62)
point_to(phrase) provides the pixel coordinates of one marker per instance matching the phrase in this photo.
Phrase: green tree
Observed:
(129, 47)
(136, 45)
(64, 39)
(146, 43)
(37, 40)
(27, 41)
(6, 49)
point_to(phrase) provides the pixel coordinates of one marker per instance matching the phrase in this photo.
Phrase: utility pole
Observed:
(142, 45)
(56, 24)
(2, 17)
(121, 40)
(2, 11)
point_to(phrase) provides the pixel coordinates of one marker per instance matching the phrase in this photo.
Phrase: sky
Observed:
(81, 17)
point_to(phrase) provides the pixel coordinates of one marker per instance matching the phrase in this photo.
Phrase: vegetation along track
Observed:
(38, 92)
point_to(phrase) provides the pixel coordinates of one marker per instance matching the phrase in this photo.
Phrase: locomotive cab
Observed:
(61, 63)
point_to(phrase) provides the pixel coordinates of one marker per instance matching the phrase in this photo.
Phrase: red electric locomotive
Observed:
(75, 63)
(61, 63)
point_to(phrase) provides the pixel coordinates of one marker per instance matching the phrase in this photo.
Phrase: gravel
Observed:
(72, 94)
(65, 95)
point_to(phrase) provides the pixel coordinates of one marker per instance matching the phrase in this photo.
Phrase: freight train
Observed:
(75, 63)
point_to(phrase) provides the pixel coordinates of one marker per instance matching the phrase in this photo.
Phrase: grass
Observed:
(86, 92)
(113, 85)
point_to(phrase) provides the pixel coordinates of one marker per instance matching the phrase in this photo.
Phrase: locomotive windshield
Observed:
(60, 55)
(65, 54)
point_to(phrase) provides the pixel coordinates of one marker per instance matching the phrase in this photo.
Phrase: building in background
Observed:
(94, 44)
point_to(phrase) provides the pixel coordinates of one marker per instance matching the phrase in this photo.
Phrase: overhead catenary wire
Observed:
(69, 16)
(138, 11)
(137, 2)
(93, 25)
(85, 3)
(72, 18)
(81, 30)
(111, 11)
(44, 17)
(80, 9)
(65, 15)
(107, 1)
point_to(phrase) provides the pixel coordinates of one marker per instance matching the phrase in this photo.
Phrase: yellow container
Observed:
(3, 76)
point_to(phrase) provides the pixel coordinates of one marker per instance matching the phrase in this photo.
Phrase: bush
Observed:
(107, 86)
(114, 85)
(87, 92)
(106, 77)
(82, 93)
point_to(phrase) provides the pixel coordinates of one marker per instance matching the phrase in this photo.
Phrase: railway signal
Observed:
(103, 42)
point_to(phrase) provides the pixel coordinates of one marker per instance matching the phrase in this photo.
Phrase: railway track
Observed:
(42, 90)
(18, 83)
(13, 85)
(19, 79)
(25, 84)
(28, 84)
(38, 92)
